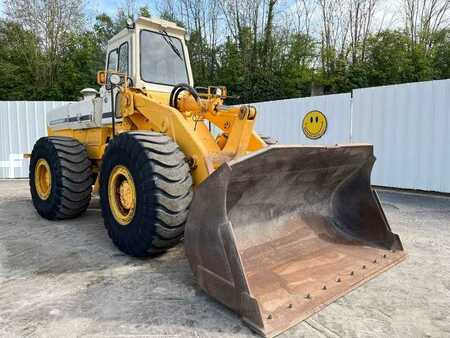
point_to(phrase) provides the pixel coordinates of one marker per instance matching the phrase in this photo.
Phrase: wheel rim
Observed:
(122, 194)
(43, 179)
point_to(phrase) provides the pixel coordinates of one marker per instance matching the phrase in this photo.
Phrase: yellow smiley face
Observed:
(314, 125)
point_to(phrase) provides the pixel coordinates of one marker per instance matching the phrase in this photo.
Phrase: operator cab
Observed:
(153, 53)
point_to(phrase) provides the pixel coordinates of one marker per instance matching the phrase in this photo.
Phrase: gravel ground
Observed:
(65, 278)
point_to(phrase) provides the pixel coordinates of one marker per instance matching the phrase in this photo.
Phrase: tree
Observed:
(20, 61)
(441, 54)
(388, 59)
(257, 48)
(52, 21)
(361, 14)
(82, 59)
(297, 73)
(145, 12)
(423, 19)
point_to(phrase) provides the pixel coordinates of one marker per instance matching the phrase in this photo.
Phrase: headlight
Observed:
(115, 79)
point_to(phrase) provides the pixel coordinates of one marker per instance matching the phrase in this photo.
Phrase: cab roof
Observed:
(159, 24)
(152, 24)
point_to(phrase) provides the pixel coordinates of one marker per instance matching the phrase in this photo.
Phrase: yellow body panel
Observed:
(160, 97)
(94, 139)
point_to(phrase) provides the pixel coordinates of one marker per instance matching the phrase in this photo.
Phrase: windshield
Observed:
(162, 59)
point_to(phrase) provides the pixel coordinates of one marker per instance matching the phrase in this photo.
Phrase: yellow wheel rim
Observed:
(43, 179)
(122, 194)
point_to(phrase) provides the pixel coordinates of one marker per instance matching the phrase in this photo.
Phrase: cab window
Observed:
(112, 60)
(123, 58)
(162, 59)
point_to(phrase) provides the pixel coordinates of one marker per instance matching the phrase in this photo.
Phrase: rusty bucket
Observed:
(284, 231)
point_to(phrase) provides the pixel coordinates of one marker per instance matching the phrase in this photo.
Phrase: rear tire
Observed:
(67, 192)
(145, 191)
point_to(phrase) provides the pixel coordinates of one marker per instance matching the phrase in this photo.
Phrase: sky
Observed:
(387, 10)
(95, 7)
(388, 13)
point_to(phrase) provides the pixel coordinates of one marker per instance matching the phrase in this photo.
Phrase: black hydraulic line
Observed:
(179, 88)
(113, 113)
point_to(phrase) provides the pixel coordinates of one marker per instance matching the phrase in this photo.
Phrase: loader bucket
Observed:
(279, 234)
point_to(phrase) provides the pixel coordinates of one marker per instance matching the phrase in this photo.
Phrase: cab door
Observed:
(118, 60)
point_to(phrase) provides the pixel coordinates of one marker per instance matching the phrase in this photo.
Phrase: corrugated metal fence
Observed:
(282, 119)
(408, 124)
(21, 124)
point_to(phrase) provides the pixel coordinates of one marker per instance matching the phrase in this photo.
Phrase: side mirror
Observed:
(101, 78)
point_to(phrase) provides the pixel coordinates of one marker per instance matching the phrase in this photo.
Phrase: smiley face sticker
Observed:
(314, 124)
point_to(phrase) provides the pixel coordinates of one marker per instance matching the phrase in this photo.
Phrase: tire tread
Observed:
(166, 182)
(72, 173)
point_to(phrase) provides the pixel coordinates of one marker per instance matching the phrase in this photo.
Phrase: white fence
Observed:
(408, 124)
(282, 120)
(21, 124)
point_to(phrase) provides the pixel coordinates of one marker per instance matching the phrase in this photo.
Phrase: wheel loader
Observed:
(273, 232)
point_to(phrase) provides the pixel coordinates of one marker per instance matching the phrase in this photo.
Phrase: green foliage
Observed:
(19, 63)
(145, 12)
(253, 67)
(440, 57)
(199, 59)
(82, 53)
(24, 66)
(296, 72)
(105, 28)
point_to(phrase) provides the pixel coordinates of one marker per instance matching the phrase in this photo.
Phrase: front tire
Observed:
(60, 178)
(145, 191)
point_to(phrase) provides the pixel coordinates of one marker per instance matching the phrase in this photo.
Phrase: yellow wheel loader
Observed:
(273, 232)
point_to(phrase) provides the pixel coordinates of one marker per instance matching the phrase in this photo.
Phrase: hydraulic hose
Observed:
(177, 90)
